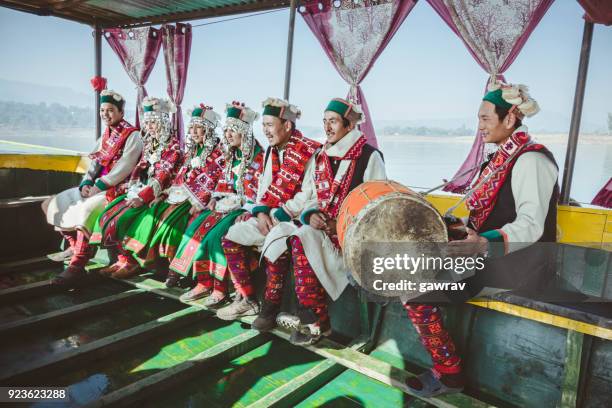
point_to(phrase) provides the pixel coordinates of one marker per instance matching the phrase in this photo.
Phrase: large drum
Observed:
(385, 211)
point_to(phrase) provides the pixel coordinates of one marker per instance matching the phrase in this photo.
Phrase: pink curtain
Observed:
(494, 33)
(604, 197)
(177, 48)
(597, 11)
(137, 50)
(353, 35)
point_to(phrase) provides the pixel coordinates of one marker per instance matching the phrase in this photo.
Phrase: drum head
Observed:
(395, 217)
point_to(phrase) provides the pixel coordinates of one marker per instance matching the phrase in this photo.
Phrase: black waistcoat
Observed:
(504, 211)
(360, 166)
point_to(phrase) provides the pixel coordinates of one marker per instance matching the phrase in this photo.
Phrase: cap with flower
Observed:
(513, 97)
(239, 117)
(204, 115)
(110, 96)
(346, 109)
(281, 109)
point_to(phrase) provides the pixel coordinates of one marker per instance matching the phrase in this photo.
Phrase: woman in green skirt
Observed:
(158, 230)
(200, 250)
(160, 159)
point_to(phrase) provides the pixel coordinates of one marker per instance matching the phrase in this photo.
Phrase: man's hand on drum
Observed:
(330, 228)
(264, 223)
(212, 204)
(85, 191)
(473, 244)
(135, 202)
(318, 221)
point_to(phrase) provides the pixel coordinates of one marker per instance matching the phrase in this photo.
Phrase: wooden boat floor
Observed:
(73, 333)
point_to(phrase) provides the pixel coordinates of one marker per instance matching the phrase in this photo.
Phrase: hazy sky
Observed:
(425, 72)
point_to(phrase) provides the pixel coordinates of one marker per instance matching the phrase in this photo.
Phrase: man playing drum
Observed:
(512, 205)
(345, 162)
(284, 187)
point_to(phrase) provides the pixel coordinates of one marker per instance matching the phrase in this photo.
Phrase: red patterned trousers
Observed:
(427, 321)
(309, 291)
(219, 287)
(82, 251)
(241, 263)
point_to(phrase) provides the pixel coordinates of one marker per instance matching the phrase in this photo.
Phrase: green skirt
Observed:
(157, 232)
(113, 224)
(201, 247)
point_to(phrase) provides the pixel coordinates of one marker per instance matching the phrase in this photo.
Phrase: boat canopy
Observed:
(133, 13)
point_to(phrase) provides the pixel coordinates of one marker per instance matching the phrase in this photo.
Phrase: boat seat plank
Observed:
(46, 367)
(21, 201)
(30, 290)
(45, 319)
(304, 385)
(165, 379)
(576, 317)
(587, 309)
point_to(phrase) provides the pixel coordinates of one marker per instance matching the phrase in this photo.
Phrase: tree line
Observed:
(427, 131)
(44, 116)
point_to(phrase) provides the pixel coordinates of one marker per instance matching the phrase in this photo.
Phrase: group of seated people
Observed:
(214, 208)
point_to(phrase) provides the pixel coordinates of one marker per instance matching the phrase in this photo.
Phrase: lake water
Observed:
(416, 161)
(425, 161)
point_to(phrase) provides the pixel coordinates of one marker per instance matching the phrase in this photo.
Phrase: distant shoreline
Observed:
(542, 137)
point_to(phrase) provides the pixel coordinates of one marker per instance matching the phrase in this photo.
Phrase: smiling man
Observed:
(512, 205)
(73, 212)
(345, 162)
(284, 187)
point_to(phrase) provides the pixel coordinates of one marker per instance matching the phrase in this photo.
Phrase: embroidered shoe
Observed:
(241, 306)
(288, 321)
(266, 320)
(306, 328)
(309, 334)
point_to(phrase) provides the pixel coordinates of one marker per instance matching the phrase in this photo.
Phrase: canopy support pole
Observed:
(292, 9)
(572, 142)
(98, 72)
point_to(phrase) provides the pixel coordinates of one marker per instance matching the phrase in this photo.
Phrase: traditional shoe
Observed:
(309, 334)
(127, 271)
(288, 321)
(63, 256)
(172, 280)
(215, 300)
(198, 292)
(70, 276)
(241, 306)
(109, 270)
(309, 328)
(429, 384)
(266, 320)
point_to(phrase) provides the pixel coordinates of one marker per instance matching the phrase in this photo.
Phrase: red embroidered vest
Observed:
(287, 177)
